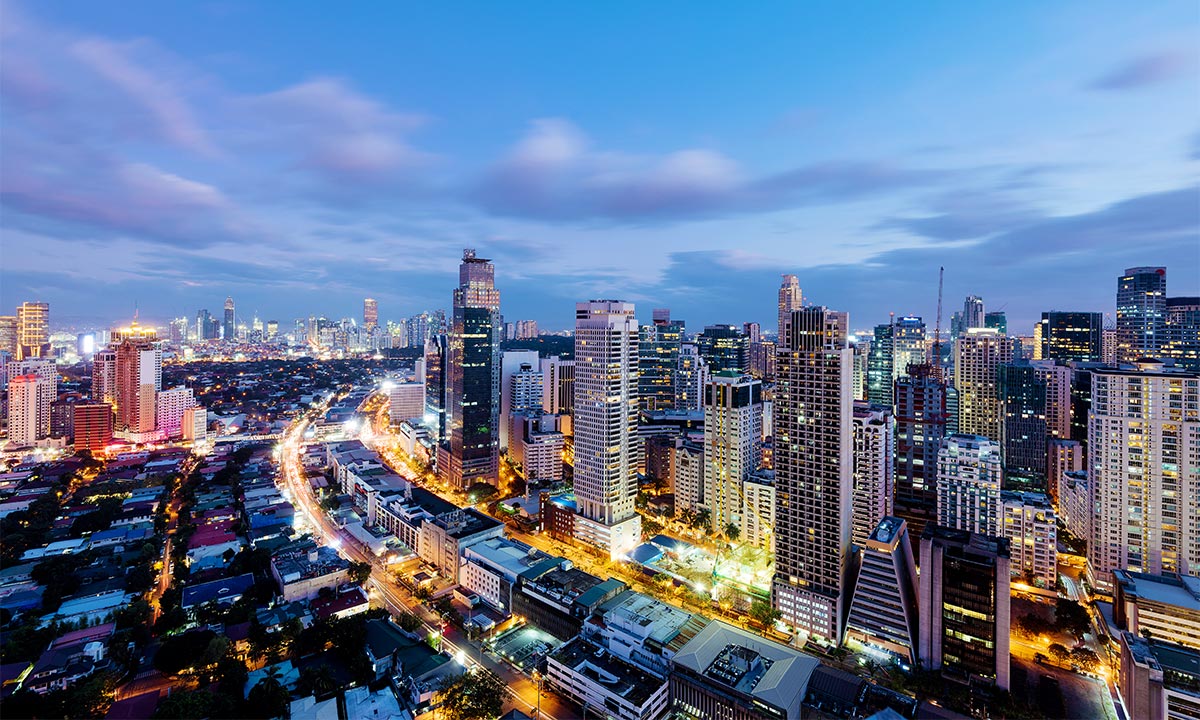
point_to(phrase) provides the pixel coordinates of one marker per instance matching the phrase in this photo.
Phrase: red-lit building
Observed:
(93, 426)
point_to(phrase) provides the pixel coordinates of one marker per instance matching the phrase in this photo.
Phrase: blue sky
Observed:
(673, 154)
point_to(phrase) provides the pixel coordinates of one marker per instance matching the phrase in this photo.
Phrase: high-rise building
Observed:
(558, 385)
(47, 389)
(968, 484)
(139, 379)
(790, 299)
(874, 467)
(473, 385)
(605, 424)
(758, 509)
(527, 329)
(733, 415)
(195, 424)
(978, 355)
(1028, 522)
(884, 613)
(229, 326)
(1023, 427)
(1058, 396)
(964, 604)
(880, 366)
(8, 334)
(996, 320)
(93, 426)
(525, 390)
(272, 329)
(690, 378)
(513, 362)
(169, 408)
(435, 385)
(370, 314)
(1062, 457)
(1182, 342)
(921, 416)
(724, 347)
(1141, 312)
(1072, 336)
(813, 459)
(1143, 435)
(861, 368)
(973, 314)
(33, 330)
(908, 345)
(28, 420)
(762, 360)
(658, 362)
(104, 376)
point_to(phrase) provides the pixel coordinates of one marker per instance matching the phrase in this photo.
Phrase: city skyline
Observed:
(160, 160)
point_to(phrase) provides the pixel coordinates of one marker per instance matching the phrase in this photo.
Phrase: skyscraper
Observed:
(435, 385)
(370, 314)
(33, 330)
(724, 347)
(908, 345)
(1182, 342)
(1143, 432)
(658, 361)
(1072, 336)
(47, 388)
(732, 443)
(921, 424)
(229, 326)
(880, 367)
(513, 362)
(690, 378)
(473, 387)
(1023, 427)
(104, 376)
(790, 299)
(8, 334)
(139, 378)
(814, 456)
(968, 484)
(973, 314)
(28, 420)
(606, 416)
(977, 355)
(884, 613)
(874, 468)
(1141, 312)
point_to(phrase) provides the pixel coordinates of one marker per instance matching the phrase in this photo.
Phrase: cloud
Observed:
(1142, 72)
(553, 173)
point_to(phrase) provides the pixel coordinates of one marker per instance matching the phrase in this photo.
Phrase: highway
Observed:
(395, 597)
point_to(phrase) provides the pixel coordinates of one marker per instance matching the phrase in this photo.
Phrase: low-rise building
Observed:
(557, 597)
(1165, 607)
(304, 568)
(641, 630)
(603, 684)
(443, 539)
(70, 658)
(1158, 680)
(225, 591)
(490, 569)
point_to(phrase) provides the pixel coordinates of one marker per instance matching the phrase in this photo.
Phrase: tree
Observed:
(316, 680)
(359, 572)
(733, 532)
(762, 613)
(1071, 617)
(476, 695)
(179, 652)
(1032, 625)
(1059, 652)
(269, 698)
(703, 520)
(1085, 658)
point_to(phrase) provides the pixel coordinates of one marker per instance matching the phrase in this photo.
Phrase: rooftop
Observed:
(1179, 590)
(616, 676)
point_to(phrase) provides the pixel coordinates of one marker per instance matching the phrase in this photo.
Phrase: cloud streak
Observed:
(1142, 72)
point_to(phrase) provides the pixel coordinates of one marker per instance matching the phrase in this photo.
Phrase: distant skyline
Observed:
(672, 155)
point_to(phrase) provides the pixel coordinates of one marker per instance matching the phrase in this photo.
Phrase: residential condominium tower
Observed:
(605, 425)
(1141, 312)
(874, 430)
(968, 484)
(978, 355)
(733, 416)
(814, 456)
(790, 299)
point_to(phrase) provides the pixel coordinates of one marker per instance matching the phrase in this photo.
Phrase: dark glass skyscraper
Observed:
(1141, 312)
(229, 327)
(1023, 426)
(473, 383)
(921, 416)
(1183, 332)
(725, 347)
(435, 383)
(1072, 336)
(658, 362)
(880, 363)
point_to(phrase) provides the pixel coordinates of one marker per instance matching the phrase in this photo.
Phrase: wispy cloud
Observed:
(1142, 72)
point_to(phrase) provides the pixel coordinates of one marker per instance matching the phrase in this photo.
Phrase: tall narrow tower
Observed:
(473, 389)
(1141, 312)
(813, 472)
(370, 314)
(33, 330)
(790, 298)
(606, 415)
(229, 326)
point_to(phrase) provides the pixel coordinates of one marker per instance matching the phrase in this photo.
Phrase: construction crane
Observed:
(937, 329)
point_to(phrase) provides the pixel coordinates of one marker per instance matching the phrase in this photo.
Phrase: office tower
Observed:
(978, 354)
(1023, 428)
(1182, 343)
(997, 321)
(861, 368)
(1143, 433)
(814, 457)
(1072, 336)
(921, 416)
(880, 366)
(690, 378)
(473, 384)
(733, 416)
(28, 419)
(790, 299)
(1062, 457)
(558, 385)
(606, 415)
(525, 390)
(33, 330)
(1141, 312)
(1058, 396)
(272, 329)
(969, 475)
(658, 361)
(964, 605)
(973, 315)
(169, 407)
(229, 326)
(762, 360)
(874, 466)
(884, 613)
(908, 345)
(93, 426)
(8, 334)
(370, 314)
(724, 347)
(139, 378)
(406, 400)
(1028, 523)
(104, 376)
(511, 363)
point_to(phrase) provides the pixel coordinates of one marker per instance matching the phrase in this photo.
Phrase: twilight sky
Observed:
(666, 153)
